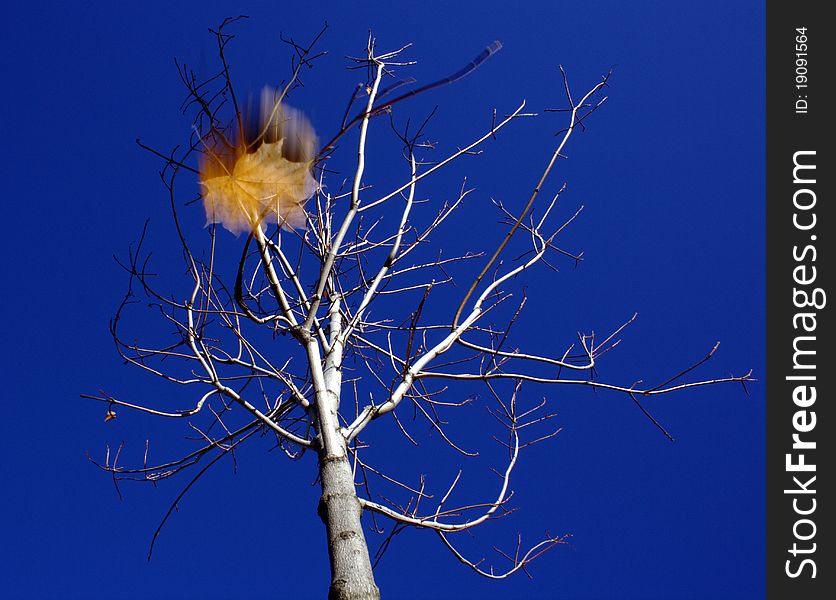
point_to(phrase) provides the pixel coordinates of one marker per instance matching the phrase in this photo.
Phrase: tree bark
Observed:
(351, 569)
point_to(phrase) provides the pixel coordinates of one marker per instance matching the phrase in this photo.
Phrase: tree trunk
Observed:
(339, 509)
(351, 569)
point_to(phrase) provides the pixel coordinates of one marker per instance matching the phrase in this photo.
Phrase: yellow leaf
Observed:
(266, 179)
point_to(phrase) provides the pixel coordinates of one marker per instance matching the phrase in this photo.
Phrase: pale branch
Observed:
(590, 353)
(488, 510)
(335, 244)
(460, 152)
(519, 562)
(584, 382)
(416, 368)
(387, 264)
(532, 198)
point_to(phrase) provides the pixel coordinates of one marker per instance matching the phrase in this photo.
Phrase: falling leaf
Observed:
(267, 177)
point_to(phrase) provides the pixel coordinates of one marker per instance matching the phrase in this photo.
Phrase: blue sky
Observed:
(670, 172)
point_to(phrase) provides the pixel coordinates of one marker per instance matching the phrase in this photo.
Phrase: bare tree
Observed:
(275, 331)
